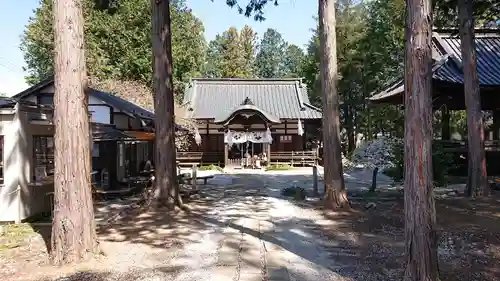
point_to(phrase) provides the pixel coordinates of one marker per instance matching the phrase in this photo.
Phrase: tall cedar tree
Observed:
(248, 42)
(73, 227)
(166, 187)
(477, 184)
(269, 61)
(335, 192)
(420, 213)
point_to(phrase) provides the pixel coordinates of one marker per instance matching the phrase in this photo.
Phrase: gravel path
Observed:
(254, 234)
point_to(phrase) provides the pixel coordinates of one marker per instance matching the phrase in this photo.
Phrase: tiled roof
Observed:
(448, 62)
(488, 59)
(122, 104)
(282, 98)
(109, 99)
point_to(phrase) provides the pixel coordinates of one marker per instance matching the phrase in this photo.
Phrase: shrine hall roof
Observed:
(208, 98)
(447, 67)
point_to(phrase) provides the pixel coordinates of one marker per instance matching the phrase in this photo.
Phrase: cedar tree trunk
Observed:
(477, 184)
(166, 188)
(420, 214)
(73, 226)
(335, 192)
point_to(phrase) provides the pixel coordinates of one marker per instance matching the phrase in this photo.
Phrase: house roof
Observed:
(447, 65)
(216, 98)
(107, 98)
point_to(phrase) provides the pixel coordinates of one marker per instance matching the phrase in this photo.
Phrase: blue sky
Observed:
(293, 19)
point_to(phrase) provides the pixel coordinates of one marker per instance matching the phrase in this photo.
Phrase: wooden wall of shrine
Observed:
(285, 135)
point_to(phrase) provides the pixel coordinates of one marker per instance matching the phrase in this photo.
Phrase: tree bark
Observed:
(73, 227)
(166, 187)
(477, 184)
(420, 213)
(335, 192)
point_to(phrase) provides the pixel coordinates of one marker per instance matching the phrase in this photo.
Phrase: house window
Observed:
(46, 99)
(43, 153)
(1, 159)
(285, 139)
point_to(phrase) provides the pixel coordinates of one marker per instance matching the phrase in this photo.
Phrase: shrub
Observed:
(210, 167)
(278, 167)
(442, 162)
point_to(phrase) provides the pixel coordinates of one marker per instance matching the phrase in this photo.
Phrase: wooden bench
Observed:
(187, 158)
(188, 164)
(294, 158)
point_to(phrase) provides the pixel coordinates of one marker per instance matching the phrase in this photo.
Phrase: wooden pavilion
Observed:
(238, 118)
(448, 84)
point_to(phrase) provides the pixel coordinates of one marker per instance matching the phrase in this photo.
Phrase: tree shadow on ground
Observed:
(359, 244)
(134, 274)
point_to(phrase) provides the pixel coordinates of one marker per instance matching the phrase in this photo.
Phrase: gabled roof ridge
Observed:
(478, 32)
(42, 84)
(245, 81)
(112, 99)
(119, 98)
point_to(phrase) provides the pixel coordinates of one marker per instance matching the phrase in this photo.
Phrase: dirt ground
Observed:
(469, 242)
(468, 231)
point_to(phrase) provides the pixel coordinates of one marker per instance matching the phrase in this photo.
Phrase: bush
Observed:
(210, 167)
(442, 162)
(278, 167)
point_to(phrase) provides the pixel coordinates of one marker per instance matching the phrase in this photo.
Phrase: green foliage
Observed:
(210, 167)
(486, 13)
(235, 54)
(117, 42)
(278, 167)
(293, 61)
(231, 54)
(252, 8)
(310, 69)
(442, 162)
(248, 43)
(270, 61)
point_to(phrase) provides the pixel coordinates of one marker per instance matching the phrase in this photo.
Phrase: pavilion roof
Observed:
(447, 63)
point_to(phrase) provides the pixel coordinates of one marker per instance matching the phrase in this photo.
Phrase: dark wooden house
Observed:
(240, 117)
(123, 134)
(448, 87)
